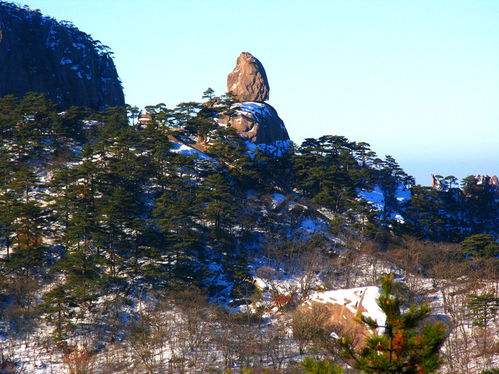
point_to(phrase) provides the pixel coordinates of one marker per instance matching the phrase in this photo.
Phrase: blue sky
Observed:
(418, 80)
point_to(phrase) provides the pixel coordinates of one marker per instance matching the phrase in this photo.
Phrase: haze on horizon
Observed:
(418, 81)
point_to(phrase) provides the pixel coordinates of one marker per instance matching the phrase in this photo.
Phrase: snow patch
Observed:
(65, 61)
(309, 225)
(277, 148)
(402, 194)
(361, 299)
(185, 150)
(277, 199)
(376, 199)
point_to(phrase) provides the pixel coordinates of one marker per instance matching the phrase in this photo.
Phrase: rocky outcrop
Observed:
(343, 308)
(42, 55)
(486, 180)
(259, 123)
(248, 80)
(253, 119)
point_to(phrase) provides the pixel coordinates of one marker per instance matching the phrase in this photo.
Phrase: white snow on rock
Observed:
(277, 199)
(185, 150)
(377, 199)
(260, 283)
(374, 197)
(402, 194)
(252, 108)
(276, 148)
(361, 299)
(310, 225)
(65, 61)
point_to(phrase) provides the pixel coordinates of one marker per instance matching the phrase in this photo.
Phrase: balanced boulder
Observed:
(248, 80)
(252, 118)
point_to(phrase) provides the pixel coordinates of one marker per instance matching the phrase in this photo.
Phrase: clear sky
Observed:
(418, 80)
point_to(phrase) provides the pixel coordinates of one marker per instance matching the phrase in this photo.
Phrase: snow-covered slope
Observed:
(377, 198)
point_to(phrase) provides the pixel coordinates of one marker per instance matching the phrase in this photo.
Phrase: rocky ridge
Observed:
(55, 58)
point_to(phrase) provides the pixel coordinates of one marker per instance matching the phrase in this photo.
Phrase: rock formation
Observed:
(255, 120)
(248, 80)
(486, 180)
(42, 55)
(259, 122)
(344, 307)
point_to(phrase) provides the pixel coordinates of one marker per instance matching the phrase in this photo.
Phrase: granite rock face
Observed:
(253, 119)
(42, 55)
(248, 81)
(259, 123)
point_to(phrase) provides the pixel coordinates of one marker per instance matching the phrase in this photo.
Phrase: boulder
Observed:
(253, 119)
(260, 124)
(248, 80)
(342, 309)
(55, 58)
(494, 181)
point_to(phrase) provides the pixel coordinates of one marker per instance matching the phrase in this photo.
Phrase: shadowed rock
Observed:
(259, 123)
(55, 58)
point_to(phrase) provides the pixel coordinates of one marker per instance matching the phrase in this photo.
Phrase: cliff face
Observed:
(40, 54)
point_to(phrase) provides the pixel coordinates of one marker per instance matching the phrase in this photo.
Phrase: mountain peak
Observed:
(255, 120)
(248, 81)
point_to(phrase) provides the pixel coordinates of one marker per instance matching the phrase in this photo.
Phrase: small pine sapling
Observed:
(404, 347)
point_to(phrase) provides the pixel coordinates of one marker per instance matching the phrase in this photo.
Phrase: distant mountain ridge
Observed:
(39, 54)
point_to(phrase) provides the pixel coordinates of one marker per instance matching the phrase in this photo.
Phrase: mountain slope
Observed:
(42, 55)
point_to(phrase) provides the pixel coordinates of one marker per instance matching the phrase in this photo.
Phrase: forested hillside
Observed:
(136, 242)
(41, 54)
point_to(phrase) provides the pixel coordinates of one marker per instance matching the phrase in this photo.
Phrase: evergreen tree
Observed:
(491, 371)
(175, 214)
(480, 245)
(209, 94)
(425, 213)
(483, 308)
(58, 308)
(481, 207)
(230, 149)
(85, 276)
(218, 205)
(320, 367)
(405, 346)
(326, 171)
(28, 253)
(23, 220)
(184, 113)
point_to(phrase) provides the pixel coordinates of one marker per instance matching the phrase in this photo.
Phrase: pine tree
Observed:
(405, 347)
(480, 204)
(320, 367)
(480, 245)
(175, 214)
(218, 202)
(483, 308)
(425, 213)
(57, 308)
(23, 220)
(326, 171)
